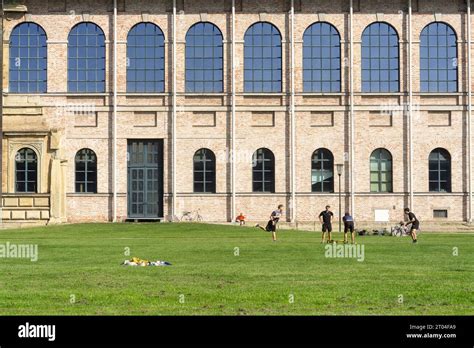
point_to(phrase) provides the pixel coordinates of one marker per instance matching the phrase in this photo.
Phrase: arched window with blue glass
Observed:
(204, 59)
(86, 59)
(262, 59)
(28, 59)
(438, 58)
(380, 59)
(321, 58)
(145, 59)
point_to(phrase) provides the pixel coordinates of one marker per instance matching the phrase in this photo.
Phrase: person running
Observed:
(415, 224)
(271, 225)
(348, 226)
(325, 217)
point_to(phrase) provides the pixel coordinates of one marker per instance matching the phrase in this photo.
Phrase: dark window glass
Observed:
(204, 58)
(145, 59)
(262, 58)
(438, 59)
(26, 171)
(380, 171)
(439, 171)
(321, 59)
(380, 59)
(86, 171)
(204, 171)
(86, 59)
(263, 172)
(440, 213)
(28, 59)
(322, 171)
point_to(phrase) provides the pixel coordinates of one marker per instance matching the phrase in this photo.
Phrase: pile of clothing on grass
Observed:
(136, 261)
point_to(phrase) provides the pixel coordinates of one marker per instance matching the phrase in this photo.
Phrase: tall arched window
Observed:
(86, 59)
(28, 59)
(322, 171)
(262, 58)
(86, 171)
(204, 171)
(145, 59)
(263, 172)
(438, 58)
(380, 59)
(381, 171)
(440, 170)
(204, 58)
(321, 58)
(26, 171)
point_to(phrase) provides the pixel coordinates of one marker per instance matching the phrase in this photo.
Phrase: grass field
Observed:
(78, 272)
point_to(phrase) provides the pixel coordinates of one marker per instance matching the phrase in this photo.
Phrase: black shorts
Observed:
(271, 227)
(348, 226)
(327, 227)
(415, 226)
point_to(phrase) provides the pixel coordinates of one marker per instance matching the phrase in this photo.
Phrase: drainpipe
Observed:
(232, 136)
(351, 107)
(115, 114)
(469, 109)
(410, 108)
(1, 112)
(173, 121)
(292, 115)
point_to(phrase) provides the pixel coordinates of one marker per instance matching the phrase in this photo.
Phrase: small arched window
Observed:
(381, 171)
(86, 171)
(86, 59)
(26, 171)
(440, 170)
(204, 58)
(321, 58)
(262, 59)
(322, 171)
(204, 171)
(380, 59)
(145, 59)
(28, 59)
(438, 58)
(263, 171)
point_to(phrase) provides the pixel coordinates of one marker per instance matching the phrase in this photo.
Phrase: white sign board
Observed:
(381, 215)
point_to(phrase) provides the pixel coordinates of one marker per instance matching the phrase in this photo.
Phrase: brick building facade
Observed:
(408, 118)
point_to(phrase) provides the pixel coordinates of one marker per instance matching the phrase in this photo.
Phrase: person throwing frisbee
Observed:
(415, 224)
(271, 225)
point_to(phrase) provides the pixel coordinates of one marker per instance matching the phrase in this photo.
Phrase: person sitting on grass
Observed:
(240, 219)
(271, 225)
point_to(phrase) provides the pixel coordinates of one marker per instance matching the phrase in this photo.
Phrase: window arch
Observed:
(204, 58)
(380, 58)
(262, 58)
(439, 171)
(321, 58)
(438, 58)
(86, 59)
(26, 171)
(86, 171)
(263, 171)
(381, 171)
(204, 171)
(145, 59)
(322, 171)
(28, 59)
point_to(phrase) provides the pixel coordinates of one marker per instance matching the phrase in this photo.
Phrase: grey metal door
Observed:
(145, 179)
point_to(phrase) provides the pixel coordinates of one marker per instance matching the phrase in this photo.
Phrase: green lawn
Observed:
(84, 261)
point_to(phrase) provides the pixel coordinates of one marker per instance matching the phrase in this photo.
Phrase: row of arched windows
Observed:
(262, 59)
(263, 171)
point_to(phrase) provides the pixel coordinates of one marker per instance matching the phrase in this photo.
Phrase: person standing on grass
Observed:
(274, 218)
(348, 226)
(325, 217)
(415, 224)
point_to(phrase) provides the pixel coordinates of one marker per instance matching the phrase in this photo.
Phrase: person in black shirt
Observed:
(325, 217)
(348, 226)
(271, 225)
(415, 224)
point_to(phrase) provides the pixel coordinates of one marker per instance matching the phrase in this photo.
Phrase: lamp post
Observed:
(339, 168)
